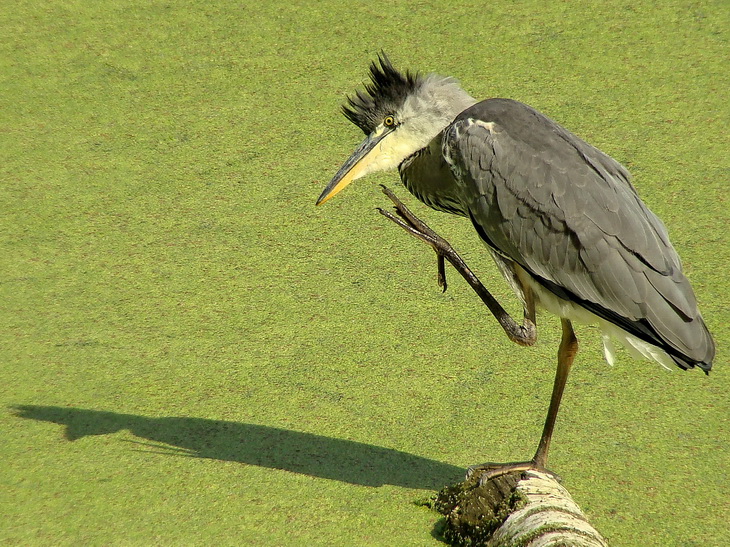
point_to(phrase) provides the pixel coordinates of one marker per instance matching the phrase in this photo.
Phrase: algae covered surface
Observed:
(192, 353)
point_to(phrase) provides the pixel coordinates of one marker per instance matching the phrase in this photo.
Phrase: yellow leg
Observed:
(566, 354)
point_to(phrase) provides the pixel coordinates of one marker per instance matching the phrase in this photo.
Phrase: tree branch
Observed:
(520, 509)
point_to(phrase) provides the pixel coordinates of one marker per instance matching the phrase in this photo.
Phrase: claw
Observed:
(441, 272)
(488, 471)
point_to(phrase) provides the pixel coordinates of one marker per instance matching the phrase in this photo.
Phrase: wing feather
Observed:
(569, 215)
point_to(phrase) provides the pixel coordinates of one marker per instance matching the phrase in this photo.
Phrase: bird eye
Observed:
(389, 121)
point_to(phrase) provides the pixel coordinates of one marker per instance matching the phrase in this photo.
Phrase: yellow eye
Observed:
(389, 121)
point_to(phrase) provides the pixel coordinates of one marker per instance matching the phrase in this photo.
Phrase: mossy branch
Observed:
(524, 509)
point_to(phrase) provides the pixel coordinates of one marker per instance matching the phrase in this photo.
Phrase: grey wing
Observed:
(568, 214)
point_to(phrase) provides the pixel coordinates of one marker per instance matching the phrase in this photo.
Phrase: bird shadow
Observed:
(265, 446)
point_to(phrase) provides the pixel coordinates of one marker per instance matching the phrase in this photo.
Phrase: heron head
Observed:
(400, 113)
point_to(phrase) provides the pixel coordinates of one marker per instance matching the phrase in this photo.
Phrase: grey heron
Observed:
(561, 219)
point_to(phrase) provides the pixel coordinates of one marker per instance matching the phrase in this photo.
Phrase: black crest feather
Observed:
(384, 95)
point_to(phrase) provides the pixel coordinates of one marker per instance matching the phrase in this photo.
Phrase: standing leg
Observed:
(566, 353)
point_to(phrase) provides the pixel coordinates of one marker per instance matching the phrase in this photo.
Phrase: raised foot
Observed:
(524, 334)
(417, 228)
(490, 470)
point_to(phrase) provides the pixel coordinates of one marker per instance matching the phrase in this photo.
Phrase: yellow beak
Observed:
(356, 165)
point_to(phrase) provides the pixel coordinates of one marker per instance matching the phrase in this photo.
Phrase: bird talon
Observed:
(441, 275)
(491, 470)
